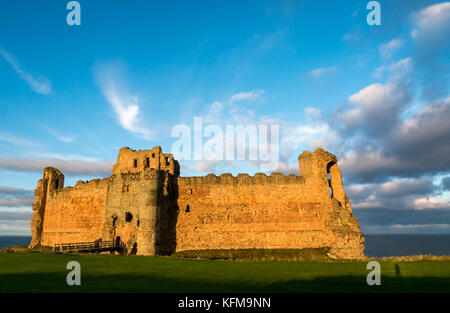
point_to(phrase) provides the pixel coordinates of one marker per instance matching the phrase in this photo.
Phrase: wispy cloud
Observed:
(38, 83)
(17, 141)
(246, 95)
(58, 156)
(396, 69)
(350, 37)
(125, 105)
(318, 72)
(66, 166)
(387, 49)
(65, 139)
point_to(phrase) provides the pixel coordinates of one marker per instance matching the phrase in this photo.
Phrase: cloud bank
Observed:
(66, 166)
(15, 197)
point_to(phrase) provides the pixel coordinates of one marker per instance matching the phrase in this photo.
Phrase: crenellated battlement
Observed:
(241, 179)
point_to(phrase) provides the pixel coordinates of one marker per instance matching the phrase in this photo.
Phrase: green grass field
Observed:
(44, 272)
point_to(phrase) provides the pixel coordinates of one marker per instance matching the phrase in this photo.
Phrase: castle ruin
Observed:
(148, 207)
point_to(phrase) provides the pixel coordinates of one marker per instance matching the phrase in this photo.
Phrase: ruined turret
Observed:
(52, 180)
(323, 176)
(323, 179)
(134, 161)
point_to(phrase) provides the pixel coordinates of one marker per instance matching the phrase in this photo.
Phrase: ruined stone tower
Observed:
(147, 208)
(136, 193)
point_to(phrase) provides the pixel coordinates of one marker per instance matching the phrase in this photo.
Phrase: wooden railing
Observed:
(95, 246)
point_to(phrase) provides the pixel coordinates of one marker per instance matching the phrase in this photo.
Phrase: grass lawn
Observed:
(44, 272)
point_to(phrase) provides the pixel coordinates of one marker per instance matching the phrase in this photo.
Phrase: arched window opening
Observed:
(188, 209)
(128, 217)
(135, 163)
(329, 177)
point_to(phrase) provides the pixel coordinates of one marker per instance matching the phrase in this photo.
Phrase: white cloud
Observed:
(406, 229)
(66, 166)
(431, 202)
(313, 113)
(318, 72)
(375, 109)
(58, 156)
(206, 166)
(433, 22)
(15, 227)
(65, 139)
(248, 96)
(372, 95)
(125, 105)
(17, 141)
(420, 226)
(387, 49)
(359, 164)
(350, 37)
(287, 169)
(396, 69)
(16, 202)
(15, 222)
(39, 84)
(397, 193)
(214, 112)
(15, 197)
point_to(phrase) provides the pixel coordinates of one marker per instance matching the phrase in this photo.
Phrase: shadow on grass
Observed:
(51, 282)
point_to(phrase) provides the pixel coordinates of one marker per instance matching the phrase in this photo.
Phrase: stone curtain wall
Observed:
(273, 211)
(74, 214)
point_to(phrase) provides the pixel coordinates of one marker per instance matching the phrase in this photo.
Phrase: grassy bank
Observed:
(45, 272)
(307, 254)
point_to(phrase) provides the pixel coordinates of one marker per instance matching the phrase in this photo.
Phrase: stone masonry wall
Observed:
(273, 211)
(74, 214)
(131, 211)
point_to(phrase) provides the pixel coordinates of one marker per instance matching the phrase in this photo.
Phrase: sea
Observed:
(376, 245)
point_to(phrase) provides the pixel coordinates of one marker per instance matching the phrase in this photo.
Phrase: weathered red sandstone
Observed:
(148, 207)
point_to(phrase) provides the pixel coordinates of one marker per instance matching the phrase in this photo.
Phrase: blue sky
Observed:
(376, 96)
